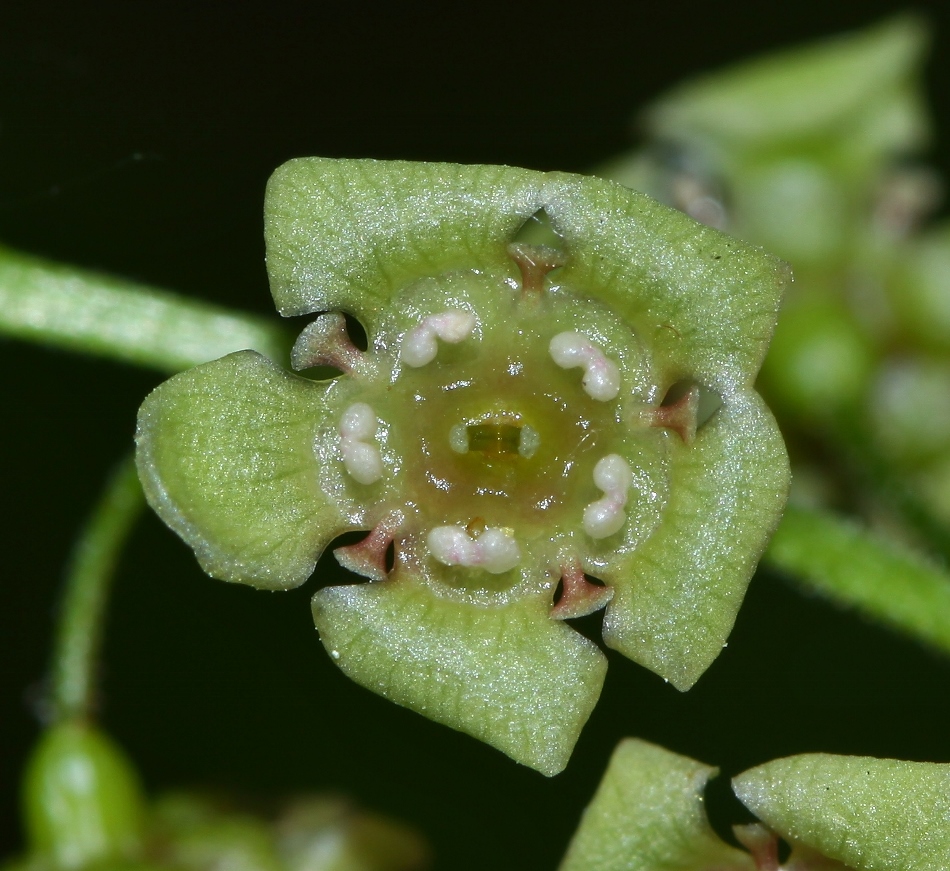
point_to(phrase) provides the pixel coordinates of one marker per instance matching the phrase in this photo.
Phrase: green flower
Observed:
(835, 813)
(648, 813)
(525, 419)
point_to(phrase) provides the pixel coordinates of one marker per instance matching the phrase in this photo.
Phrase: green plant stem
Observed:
(91, 569)
(77, 310)
(885, 581)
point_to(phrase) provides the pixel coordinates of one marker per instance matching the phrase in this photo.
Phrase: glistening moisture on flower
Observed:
(525, 419)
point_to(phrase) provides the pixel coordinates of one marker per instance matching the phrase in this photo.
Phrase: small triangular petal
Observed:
(871, 814)
(226, 454)
(676, 597)
(505, 674)
(647, 814)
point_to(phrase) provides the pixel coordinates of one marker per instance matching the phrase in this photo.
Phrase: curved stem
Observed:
(79, 633)
(71, 308)
(885, 581)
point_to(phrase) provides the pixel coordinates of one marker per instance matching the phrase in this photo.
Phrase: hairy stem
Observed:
(91, 569)
(841, 561)
(77, 310)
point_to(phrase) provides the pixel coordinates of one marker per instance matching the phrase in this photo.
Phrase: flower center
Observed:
(500, 430)
(494, 439)
(511, 432)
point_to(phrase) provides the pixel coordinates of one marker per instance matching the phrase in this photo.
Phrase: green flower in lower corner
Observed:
(84, 809)
(525, 419)
(835, 813)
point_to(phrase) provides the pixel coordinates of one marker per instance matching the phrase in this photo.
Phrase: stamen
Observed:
(761, 843)
(606, 516)
(601, 379)
(680, 416)
(362, 460)
(368, 557)
(579, 597)
(326, 342)
(495, 550)
(535, 262)
(419, 344)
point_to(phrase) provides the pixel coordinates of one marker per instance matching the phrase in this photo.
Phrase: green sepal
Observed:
(676, 597)
(860, 78)
(347, 234)
(507, 674)
(226, 454)
(82, 799)
(871, 814)
(704, 303)
(647, 814)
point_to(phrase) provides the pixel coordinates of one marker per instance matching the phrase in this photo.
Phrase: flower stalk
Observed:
(88, 581)
(80, 310)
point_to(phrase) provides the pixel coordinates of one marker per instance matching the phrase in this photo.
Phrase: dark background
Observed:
(136, 137)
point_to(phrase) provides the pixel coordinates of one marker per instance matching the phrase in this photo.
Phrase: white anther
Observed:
(495, 550)
(357, 428)
(601, 377)
(606, 516)
(419, 344)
